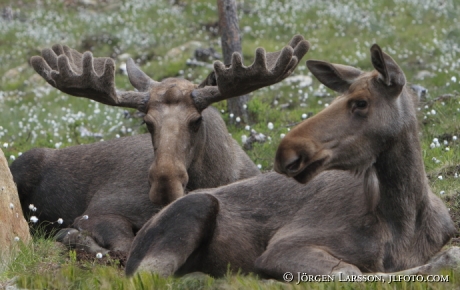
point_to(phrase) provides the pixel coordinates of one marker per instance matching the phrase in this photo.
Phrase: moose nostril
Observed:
(294, 164)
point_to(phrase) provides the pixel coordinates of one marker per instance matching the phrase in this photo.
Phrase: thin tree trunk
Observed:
(231, 42)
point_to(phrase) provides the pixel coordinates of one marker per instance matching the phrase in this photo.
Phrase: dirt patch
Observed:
(453, 203)
(115, 259)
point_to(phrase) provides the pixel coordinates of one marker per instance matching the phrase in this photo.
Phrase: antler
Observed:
(82, 75)
(237, 79)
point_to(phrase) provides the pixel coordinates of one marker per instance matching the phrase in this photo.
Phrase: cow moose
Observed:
(110, 189)
(361, 204)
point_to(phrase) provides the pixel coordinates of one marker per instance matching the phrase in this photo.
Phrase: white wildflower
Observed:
(99, 255)
(33, 219)
(432, 145)
(259, 166)
(238, 119)
(31, 206)
(85, 217)
(440, 177)
(244, 138)
(247, 127)
(454, 138)
(442, 192)
(60, 221)
(270, 126)
(16, 239)
(304, 116)
(282, 135)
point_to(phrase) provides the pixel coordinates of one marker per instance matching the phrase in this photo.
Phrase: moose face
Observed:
(351, 132)
(175, 125)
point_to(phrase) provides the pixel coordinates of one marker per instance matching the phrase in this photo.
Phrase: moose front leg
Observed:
(98, 234)
(290, 257)
(166, 241)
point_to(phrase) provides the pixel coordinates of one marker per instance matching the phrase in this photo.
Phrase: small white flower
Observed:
(238, 119)
(270, 126)
(282, 135)
(433, 112)
(85, 217)
(99, 255)
(304, 116)
(60, 221)
(244, 138)
(33, 219)
(456, 175)
(435, 140)
(440, 177)
(12, 157)
(31, 206)
(247, 127)
(442, 192)
(231, 115)
(432, 145)
(447, 148)
(445, 142)
(259, 166)
(16, 239)
(5, 145)
(453, 79)
(11, 205)
(454, 138)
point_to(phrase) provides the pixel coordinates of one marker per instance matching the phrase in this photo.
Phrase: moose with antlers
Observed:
(352, 196)
(106, 191)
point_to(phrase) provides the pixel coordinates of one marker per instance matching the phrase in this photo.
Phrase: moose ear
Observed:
(334, 76)
(390, 73)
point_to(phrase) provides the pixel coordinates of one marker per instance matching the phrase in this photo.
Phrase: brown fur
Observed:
(109, 181)
(366, 205)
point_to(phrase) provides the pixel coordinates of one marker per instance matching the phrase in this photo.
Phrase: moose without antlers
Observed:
(103, 188)
(366, 205)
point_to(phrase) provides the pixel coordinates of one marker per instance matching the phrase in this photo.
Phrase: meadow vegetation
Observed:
(422, 36)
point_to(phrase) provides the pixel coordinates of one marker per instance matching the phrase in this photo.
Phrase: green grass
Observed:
(422, 36)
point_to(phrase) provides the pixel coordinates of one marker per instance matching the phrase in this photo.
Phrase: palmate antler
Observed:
(236, 79)
(82, 75)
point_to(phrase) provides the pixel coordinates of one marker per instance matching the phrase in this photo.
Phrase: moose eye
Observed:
(195, 124)
(361, 104)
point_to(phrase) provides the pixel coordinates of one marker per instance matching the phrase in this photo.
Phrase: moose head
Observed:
(175, 109)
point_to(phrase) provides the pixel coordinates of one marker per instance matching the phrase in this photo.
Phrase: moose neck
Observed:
(400, 171)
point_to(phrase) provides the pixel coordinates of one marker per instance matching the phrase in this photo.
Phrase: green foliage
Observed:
(422, 36)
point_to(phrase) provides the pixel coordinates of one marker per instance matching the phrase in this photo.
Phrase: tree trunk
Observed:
(231, 42)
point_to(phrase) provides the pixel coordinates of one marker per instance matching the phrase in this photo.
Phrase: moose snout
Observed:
(166, 188)
(288, 162)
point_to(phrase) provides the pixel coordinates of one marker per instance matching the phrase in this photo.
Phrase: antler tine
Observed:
(82, 75)
(237, 79)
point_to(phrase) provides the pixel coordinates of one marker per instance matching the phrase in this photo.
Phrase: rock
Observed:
(13, 226)
(206, 54)
(420, 91)
(187, 48)
(421, 75)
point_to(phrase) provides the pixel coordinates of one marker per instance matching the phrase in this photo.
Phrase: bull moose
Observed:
(106, 191)
(356, 197)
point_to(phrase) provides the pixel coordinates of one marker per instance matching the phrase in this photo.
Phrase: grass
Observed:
(422, 36)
